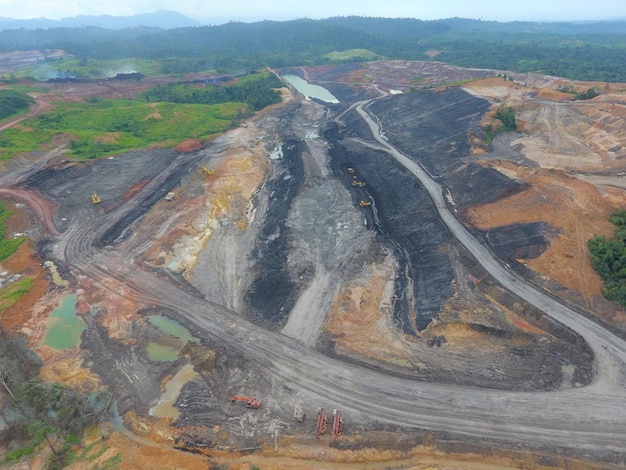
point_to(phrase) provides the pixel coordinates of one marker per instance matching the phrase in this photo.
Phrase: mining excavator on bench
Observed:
(250, 402)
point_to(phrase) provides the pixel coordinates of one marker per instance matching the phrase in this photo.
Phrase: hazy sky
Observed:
(219, 11)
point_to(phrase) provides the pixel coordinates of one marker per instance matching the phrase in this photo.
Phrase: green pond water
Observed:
(159, 353)
(172, 327)
(64, 327)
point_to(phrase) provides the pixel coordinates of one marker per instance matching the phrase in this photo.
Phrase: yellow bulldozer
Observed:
(95, 198)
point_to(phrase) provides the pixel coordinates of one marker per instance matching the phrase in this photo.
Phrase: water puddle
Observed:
(64, 327)
(159, 353)
(165, 407)
(309, 90)
(173, 266)
(56, 277)
(172, 327)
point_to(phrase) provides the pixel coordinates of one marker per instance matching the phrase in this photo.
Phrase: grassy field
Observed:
(352, 55)
(108, 127)
(12, 293)
(7, 246)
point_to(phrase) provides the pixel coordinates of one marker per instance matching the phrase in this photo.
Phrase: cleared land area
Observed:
(454, 311)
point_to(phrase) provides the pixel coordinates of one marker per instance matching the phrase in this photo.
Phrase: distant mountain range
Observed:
(162, 19)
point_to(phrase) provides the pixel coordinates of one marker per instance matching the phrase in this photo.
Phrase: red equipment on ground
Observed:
(321, 425)
(250, 402)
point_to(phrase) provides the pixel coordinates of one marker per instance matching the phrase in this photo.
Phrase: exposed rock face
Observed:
(521, 241)
(273, 292)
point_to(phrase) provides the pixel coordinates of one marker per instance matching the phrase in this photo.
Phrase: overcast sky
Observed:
(220, 11)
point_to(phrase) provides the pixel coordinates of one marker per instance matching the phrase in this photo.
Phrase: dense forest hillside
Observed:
(585, 51)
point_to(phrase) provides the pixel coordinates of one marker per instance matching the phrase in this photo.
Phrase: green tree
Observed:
(608, 258)
(507, 116)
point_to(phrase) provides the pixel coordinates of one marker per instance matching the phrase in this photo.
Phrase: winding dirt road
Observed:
(591, 419)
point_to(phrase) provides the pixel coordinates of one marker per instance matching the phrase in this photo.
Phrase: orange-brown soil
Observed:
(579, 210)
(189, 146)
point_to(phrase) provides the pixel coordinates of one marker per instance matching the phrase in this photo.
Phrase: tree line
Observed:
(608, 258)
(257, 91)
(37, 413)
(13, 102)
(592, 51)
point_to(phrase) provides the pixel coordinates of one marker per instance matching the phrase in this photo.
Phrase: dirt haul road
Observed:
(588, 418)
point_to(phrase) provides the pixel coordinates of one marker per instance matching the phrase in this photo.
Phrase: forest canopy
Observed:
(608, 257)
(583, 51)
(13, 102)
(257, 91)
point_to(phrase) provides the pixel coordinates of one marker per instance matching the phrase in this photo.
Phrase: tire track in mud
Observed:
(43, 208)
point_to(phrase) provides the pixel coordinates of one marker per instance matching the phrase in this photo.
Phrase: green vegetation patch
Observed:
(52, 415)
(113, 462)
(257, 91)
(108, 127)
(506, 115)
(11, 294)
(13, 102)
(352, 55)
(608, 258)
(7, 246)
(38, 431)
(175, 112)
(587, 95)
(418, 80)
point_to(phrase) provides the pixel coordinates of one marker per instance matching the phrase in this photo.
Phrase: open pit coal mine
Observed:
(432, 128)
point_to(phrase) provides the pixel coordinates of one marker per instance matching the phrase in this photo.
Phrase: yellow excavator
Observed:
(207, 171)
(365, 203)
(95, 198)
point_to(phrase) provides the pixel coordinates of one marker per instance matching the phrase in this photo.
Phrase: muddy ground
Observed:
(277, 234)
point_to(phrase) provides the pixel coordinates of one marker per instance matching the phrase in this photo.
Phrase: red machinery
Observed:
(250, 402)
(321, 425)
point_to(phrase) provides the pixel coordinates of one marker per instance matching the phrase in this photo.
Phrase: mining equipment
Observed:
(365, 203)
(95, 198)
(170, 196)
(337, 424)
(207, 171)
(298, 412)
(350, 170)
(250, 402)
(358, 183)
(322, 422)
